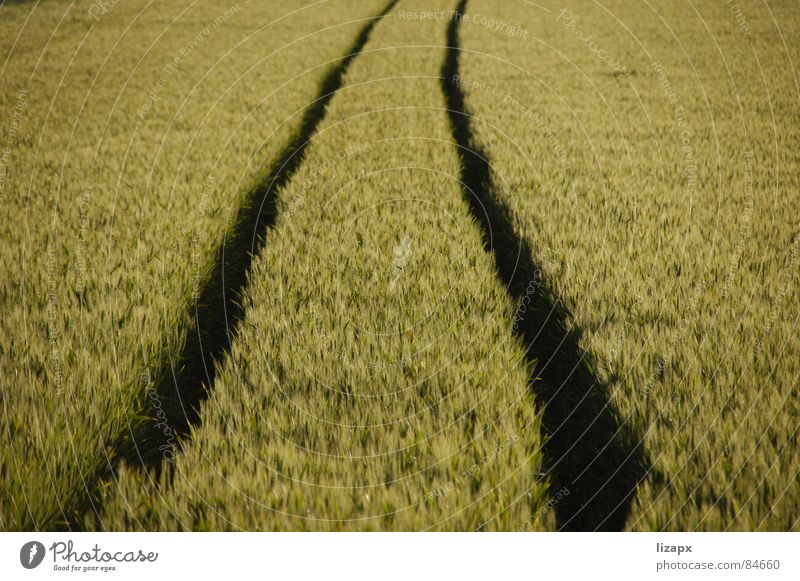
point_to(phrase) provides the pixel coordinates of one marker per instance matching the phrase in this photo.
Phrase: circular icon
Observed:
(31, 554)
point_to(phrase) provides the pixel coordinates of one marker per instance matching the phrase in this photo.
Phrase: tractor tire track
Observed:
(588, 450)
(186, 378)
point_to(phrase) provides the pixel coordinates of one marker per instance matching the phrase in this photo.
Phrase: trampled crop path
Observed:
(585, 446)
(218, 311)
(589, 451)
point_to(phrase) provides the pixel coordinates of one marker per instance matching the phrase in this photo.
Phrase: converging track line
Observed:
(587, 449)
(187, 377)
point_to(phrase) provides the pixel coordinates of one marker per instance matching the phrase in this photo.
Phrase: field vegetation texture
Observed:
(136, 135)
(399, 265)
(654, 171)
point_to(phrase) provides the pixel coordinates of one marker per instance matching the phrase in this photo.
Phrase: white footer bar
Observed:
(389, 556)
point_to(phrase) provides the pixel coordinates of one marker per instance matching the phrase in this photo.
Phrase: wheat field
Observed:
(399, 265)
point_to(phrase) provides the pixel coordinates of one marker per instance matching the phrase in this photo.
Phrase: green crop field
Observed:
(399, 265)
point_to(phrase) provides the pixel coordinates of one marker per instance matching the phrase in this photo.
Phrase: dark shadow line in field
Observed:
(188, 377)
(587, 449)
